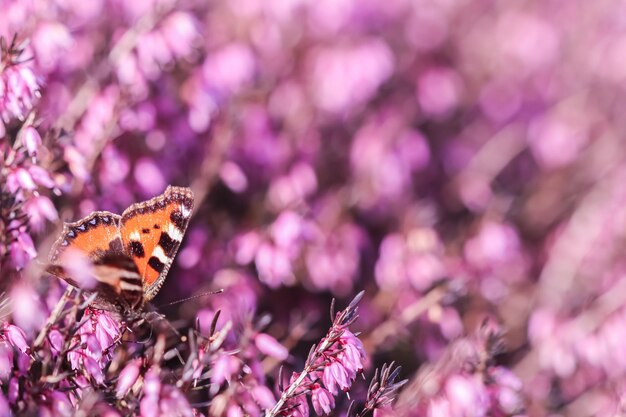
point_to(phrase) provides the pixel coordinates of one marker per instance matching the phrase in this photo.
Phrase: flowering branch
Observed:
(335, 361)
(381, 391)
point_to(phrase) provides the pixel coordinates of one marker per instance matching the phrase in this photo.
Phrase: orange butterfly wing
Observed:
(151, 234)
(95, 235)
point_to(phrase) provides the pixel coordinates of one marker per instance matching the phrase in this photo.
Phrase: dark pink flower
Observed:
(335, 374)
(16, 337)
(127, 378)
(322, 400)
(270, 346)
(31, 139)
(224, 368)
(19, 91)
(6, 360)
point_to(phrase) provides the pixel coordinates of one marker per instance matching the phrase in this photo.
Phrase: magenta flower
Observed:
(15, 337)
(335, 375)
(322, 400)
(6, 360)
(19, 88)
(162, 399)
(270, 346)
(95, 338)
(127, 378)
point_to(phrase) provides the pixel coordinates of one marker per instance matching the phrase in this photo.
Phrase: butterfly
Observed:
(130, 254)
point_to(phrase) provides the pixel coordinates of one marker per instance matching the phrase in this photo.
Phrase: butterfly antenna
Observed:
(191, 298)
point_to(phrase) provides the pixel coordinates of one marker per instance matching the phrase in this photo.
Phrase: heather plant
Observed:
(446, 176)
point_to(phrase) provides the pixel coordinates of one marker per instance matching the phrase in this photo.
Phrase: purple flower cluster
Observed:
(330, 367)
(464, 382)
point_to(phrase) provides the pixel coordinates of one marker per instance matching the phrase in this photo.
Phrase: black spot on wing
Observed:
(168, 244)
(156, 226)
(156, 264)
(177, 218)
(136, 249)
(145, 231)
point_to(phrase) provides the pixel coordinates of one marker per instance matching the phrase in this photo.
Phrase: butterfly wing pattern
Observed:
(132, 253)
(151, 234)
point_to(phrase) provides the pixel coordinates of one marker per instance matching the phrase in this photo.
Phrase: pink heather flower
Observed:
(79, 267)
(270, 346)
(229, 69)
(5, 409)
(246, 246)
(343, 77)
(414, 258)
(162, 400)
(22, 250)
(335, 375)
(274, 265)
(30, 315)
(127, 378)
(15, 336)
(234, 410)
(31, 139)
(39, 209)
(6, 360)
(52, 42)
(180, 32)
(173, 402)
(300, 407)
(107, 329)
(287, 229)
(333, 261)
(96, 335)
(149, 406)
(233, 177)
(56, 341)
(466, 395)
(439, 91)
(351, 360)
(20, 178)
(13, 392)
(56, 403)
(323, 401)
(263, 396)
(224, 368)
(293, 188)
(41, 176)
(93, 369)
(19, 91)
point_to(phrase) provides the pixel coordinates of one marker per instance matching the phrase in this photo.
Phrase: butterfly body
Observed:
(130, 254)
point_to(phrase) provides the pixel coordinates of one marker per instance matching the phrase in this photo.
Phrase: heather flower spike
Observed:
(381, 392)
(326, 364)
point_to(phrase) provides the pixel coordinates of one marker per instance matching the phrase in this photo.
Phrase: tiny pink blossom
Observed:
(127, 378)
(301, 407)
(56, 341)
(31, 140)
(6, 360)
(323, 401)
(16, 337)
(41, 176)
(270, 346)
(224, 368)
(263, 396)
(93, 369)
(335, 374)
